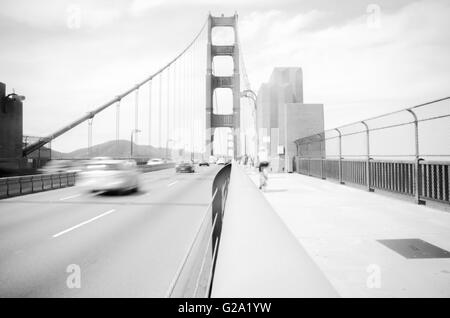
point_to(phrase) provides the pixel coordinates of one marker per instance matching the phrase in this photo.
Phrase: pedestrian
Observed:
(263, 175)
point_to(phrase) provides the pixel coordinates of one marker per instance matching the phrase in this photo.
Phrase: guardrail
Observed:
(424, 180)
(14, 186)
(195, 274)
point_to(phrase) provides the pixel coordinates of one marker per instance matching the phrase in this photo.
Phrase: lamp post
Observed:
(134, 131)
(248, 93)
(167, 147)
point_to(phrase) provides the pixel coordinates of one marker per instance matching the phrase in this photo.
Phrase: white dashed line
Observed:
(171, 184)
(70, 197)
(83, 223)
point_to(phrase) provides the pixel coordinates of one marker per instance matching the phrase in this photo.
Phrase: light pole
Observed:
(167, 147)
(134, 131)
(248, 93)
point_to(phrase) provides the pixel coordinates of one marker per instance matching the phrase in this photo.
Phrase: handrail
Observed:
(408, 109)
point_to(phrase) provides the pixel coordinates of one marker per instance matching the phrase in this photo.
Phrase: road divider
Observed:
(195, 273)
(14, 186)
(259, 256)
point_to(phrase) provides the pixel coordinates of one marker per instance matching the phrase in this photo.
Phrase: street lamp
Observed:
(167, 147)
(248, 93)
(134, 131)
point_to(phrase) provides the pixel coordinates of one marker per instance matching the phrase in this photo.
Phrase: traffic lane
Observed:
(133, 251)
(28, 217)
(38, 207)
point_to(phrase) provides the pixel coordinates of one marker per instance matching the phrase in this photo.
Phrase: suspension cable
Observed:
(42, 141)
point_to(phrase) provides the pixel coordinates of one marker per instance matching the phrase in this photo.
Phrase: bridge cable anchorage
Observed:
(45, 140)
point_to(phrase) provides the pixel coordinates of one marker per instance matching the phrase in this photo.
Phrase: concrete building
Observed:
(283, 117)
(11, 125)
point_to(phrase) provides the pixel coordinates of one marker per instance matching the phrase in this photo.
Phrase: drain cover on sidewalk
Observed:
(415, 248)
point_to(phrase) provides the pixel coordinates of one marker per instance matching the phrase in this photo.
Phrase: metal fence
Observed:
(196, 271)
(423, 180)
(14, 186)
(406, 152)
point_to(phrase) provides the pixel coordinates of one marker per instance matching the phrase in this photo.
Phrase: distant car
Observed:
(59, 166)
(221, 161)
(109, 175)
(154, 162)
(185, 166)
(204, 163)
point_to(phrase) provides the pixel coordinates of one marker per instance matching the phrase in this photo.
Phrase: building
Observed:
(283, 117)
(11, 125)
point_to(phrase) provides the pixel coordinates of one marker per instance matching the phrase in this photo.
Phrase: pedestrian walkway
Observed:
(340, 227)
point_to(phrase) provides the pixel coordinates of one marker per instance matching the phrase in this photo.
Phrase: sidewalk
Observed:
(339, 226)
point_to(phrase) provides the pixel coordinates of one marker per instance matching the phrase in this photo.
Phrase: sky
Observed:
(359, 58)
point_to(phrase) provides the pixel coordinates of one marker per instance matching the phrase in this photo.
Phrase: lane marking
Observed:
(171, 184)
(70, 197)
(83, 223)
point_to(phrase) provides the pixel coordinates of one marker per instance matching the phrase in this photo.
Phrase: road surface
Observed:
(121, 245)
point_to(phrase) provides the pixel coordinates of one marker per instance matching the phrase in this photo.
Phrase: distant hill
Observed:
(119, 149)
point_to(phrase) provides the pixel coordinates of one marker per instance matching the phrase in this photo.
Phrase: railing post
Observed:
(340, 155)
(322, 158)
(368, 179)
(417, 180)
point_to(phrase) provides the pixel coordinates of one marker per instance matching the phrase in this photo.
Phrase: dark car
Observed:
(185, 167)
(204, 163)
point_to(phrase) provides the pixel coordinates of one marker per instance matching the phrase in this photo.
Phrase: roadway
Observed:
(124, 245)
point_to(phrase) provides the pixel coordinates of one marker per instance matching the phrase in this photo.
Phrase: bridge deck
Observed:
(339, 226)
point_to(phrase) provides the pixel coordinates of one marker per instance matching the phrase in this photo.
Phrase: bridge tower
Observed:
(213, 120)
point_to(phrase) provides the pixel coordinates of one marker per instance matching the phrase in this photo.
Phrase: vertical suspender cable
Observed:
(174, 106)
(117, 123)
(90, 120)
(136, 114)
(159, 112)
(150, 113)
(168, 110)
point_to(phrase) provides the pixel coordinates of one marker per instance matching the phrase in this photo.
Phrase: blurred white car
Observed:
(109, 175)
(212, 160)
(221, 161)
(154, 162)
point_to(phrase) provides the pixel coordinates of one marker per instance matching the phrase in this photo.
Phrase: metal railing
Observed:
(14, 186)
(424, 180)
(417, 137)
(195, 273)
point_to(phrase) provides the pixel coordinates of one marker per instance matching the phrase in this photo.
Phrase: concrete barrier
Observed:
(258, 255)
(14, 186)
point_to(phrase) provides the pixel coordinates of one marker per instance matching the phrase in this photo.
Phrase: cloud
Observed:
(139, 7)
(355, 69)
(52, 14)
